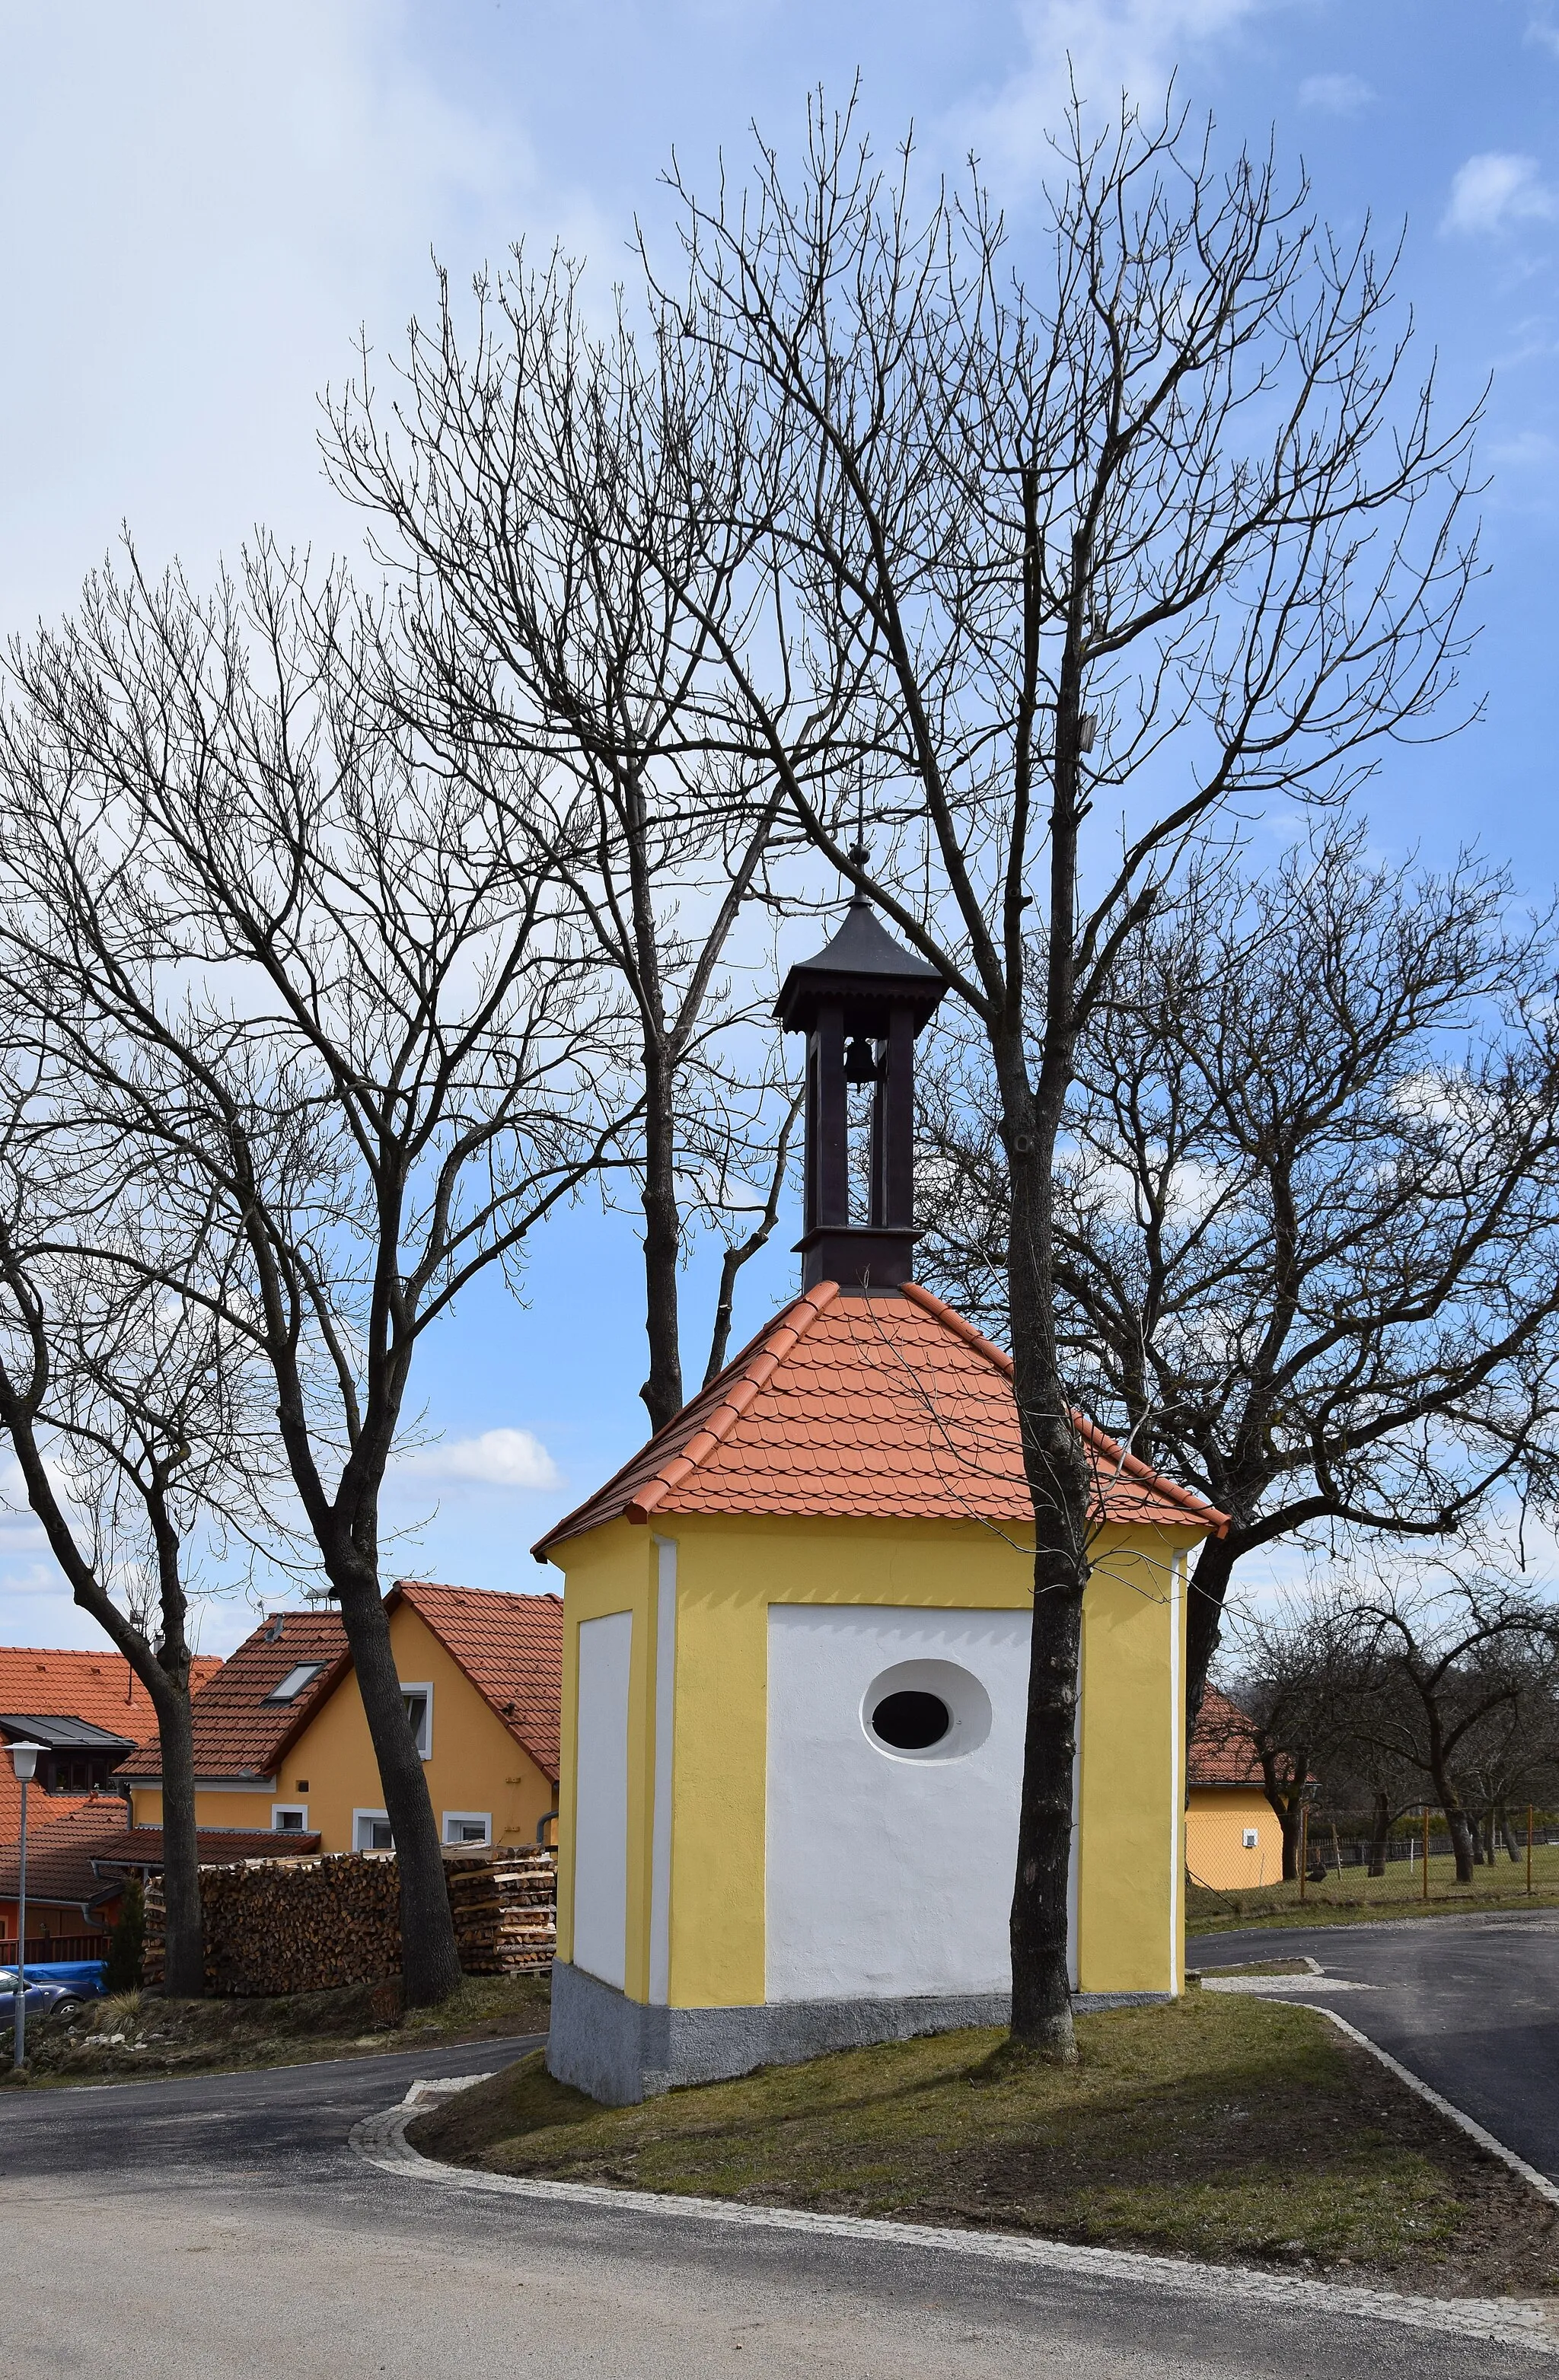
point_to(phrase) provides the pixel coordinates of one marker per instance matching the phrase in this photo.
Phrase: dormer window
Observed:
(292, 1686)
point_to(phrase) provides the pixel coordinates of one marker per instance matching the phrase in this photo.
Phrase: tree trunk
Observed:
(1461, 1837)
(1501, 1820)
(1211, 1574)
(662, 1392)
(1059, 1491)
(1380, 1832)
(429, 1962)
(186, 1970)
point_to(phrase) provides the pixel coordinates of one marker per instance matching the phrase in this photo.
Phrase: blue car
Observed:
(52, 1990)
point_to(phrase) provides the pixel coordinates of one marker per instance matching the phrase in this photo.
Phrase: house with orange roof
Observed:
(1233, 1834)
(795, 1652)
(87, 1710)
(282, 1745)
(77, 1868)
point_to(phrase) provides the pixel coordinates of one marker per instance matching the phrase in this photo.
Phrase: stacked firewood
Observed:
(278, 1926)
(506, 1911)
(274, 1925)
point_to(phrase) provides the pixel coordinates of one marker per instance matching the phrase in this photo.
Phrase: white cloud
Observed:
(1335, 94)
(1527, 450)
(1496, 189)
(1105, 46)
(499, 1458)
(201, 204)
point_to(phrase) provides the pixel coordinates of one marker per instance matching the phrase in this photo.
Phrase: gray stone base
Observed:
(618, 2051)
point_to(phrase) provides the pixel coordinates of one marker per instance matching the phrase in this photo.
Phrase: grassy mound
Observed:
(1223, 2128)
(140, 2034)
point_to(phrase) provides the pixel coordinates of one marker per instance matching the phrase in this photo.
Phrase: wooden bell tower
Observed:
(861, 1003)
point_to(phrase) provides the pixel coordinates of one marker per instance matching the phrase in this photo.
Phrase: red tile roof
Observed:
(509, 1645)
(137, 1847)
(882, 1407)
(511, 1649)
(1221, 1751)
(102, 1688)
(238, 1733)
(60, 1866)
(59, 1863)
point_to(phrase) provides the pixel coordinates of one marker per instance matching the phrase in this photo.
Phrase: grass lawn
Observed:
(1221, 2128)
(139, 2033)
(1354, 1897)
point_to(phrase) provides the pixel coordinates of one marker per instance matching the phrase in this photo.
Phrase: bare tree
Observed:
(1512, 1754)
(1435, 1673)
(299, 983)
(1308, 1226)
(1290, 1687)
(1160, 523)
(134, 1425)
(521, 486)
(740, 1252)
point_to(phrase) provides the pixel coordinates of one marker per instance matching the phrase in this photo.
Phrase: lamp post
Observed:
(24, 1760)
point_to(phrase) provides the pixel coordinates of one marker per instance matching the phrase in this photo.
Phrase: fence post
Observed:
(1529, 1850)
(1304, 1844)
(1426, 1851)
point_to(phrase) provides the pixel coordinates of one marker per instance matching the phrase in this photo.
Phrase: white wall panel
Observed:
(888, 1874)
(601, 1802)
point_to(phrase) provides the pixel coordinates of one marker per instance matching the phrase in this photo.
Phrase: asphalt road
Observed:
(220, 2228)
(1469, 2003)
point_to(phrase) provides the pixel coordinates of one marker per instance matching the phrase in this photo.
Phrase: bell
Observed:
(861, 1062)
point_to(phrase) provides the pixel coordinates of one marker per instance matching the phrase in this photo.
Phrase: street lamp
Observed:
(24, 1760)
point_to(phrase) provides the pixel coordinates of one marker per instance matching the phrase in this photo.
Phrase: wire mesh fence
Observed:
(1234, 1864)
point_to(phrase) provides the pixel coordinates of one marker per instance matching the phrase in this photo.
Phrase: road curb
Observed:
(380, 2141)
(1422, 2090)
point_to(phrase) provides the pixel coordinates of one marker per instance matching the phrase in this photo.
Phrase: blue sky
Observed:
(200, 205)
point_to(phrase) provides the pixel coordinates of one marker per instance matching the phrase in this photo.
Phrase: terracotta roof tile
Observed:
(882, 1407)
(60, 1867)
(62, 1683)
(511, 1649)
(238, 1733)
(509, 1645)
(1221, 1751)
(135, 1847)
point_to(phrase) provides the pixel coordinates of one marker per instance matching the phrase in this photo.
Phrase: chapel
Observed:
(796, 1650)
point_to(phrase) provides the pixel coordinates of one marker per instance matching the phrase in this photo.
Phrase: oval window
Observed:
(925, 1710)
(910, 1721)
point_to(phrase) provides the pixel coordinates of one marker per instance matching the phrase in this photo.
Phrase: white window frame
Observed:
(381, 1817)
(1248, 1839)
(455, 1819)
(416, 1686)
(280, 1810)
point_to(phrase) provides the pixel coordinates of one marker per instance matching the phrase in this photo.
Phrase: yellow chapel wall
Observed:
(612, 1570)
(1131, 1753)
(1129, 1918)
(474, 1765)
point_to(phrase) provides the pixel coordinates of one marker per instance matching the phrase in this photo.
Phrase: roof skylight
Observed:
(292, 1686)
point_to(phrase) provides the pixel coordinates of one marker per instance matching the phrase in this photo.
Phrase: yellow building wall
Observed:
(214, 1806)
(612, 1570)
(1130, 1919)
(1217, 1818)
(475, 1764)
